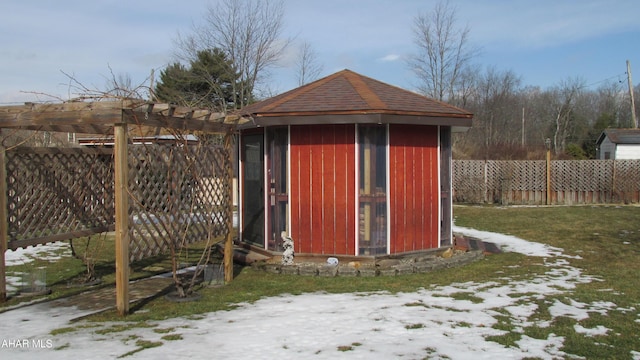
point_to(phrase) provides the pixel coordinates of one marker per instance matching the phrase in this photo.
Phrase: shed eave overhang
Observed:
(458, 121)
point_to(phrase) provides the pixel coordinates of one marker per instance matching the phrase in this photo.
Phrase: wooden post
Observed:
(122, 218)
(548, 143)
(366, 166)
(3, 224)
(228, 243)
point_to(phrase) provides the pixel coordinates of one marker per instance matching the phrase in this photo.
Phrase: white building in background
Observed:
(618, 144)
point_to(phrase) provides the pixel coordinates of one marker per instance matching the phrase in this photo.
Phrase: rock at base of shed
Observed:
(328, 271)
(289, 269)
(404, 269)
(308, 270)
(347, 271)
(368, 271)
(272, 268)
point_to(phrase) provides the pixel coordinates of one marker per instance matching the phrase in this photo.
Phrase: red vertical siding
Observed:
(346, 189)
(413, 166)
(322, 188)
(300, 179)
(315, 188)
(328, 189)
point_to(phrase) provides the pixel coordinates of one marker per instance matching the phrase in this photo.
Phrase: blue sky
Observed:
(544, 41)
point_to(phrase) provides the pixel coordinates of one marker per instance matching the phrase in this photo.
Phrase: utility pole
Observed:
(523, 126)
(152, 96)
(633, 103)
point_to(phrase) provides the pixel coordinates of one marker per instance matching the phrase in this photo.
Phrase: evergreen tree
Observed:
(172, 85)
(207, 82)
(604, 121)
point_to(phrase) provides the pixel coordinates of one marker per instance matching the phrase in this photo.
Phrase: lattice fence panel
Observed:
(626, 180)
(178, 196)
(495, 176)
(515, 181)
(528, 175)
(524, 182)
(469, 181)
(57, 193)
(581, 175)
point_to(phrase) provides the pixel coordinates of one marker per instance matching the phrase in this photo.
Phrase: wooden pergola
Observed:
(119, 119)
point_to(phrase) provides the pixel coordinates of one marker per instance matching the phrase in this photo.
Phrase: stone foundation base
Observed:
(385, 267)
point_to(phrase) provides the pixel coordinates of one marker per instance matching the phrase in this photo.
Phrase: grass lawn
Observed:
(602, 241)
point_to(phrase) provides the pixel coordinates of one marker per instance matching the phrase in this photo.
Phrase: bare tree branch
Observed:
(307, 67)
(249, 33)
(443, 51)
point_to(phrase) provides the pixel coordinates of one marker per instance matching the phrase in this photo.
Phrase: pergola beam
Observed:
(63, 128)
(100, 117)
(183, 122)
(69, 114)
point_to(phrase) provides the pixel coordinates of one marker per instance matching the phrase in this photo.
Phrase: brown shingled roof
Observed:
(347, 92)
(621, 136)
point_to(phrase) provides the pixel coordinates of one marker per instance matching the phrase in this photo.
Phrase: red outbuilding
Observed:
(348, 165)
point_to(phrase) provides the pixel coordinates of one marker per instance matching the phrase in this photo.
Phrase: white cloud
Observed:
(390, 58)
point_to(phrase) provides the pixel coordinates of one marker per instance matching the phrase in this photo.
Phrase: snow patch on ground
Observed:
(48, 252)
(598, 330)
(511, 243)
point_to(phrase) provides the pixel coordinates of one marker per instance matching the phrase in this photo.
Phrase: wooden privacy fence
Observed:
(525, 182)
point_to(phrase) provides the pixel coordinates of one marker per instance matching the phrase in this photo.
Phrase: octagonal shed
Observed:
(348, 165)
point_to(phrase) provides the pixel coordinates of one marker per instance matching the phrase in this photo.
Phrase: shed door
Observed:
(253, 189)
(277, 141)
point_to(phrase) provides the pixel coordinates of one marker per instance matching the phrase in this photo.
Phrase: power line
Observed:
(607, 79)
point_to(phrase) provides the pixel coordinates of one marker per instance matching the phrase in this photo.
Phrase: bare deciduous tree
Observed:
(443, 51)
(494, 98)
(248, 32)
(563, 103)
(307, 67)
(116, 87)
(121, 86)
(498, 91)
(610, 99)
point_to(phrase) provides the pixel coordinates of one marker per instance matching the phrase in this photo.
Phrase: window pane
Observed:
(253, 197)
(372, 190)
